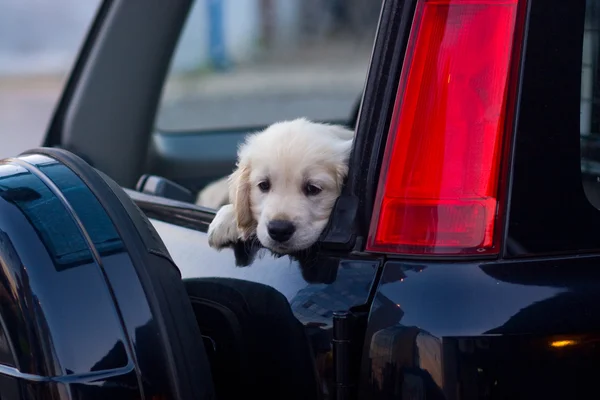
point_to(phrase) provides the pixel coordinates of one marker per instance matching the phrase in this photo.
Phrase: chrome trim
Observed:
(91, 376)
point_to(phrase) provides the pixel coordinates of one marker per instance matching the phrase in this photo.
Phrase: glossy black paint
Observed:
(316, 286)
(75, 320)
(495, 330)
(506, 330)
(60, 323)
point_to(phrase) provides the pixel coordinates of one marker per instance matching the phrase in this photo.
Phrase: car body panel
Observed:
(314, 296)
(471, 330)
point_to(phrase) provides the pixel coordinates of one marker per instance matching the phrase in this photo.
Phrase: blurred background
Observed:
(238, 62)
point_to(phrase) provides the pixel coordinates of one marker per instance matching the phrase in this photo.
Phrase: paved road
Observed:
(25, 109)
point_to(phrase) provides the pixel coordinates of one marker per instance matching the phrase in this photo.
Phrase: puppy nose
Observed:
(281, 230)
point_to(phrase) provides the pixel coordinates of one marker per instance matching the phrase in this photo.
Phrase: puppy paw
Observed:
(223, 230)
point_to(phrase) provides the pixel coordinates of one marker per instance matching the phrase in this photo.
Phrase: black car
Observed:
(460, 262)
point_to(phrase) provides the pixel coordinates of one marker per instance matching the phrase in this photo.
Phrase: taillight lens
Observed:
(439, 186)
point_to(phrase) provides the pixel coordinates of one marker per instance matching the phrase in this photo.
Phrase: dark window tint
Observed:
(549, 212)
(590, 104)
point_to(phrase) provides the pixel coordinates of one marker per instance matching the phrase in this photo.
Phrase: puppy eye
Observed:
(264, 186)
(312, 190)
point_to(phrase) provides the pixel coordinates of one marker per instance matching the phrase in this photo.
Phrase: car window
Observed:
(39, 41)
(590, 104)
(263, 61)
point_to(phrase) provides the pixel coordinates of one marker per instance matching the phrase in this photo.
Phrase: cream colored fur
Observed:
(305, 164)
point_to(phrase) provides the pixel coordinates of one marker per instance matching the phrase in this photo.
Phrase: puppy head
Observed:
(287, 180)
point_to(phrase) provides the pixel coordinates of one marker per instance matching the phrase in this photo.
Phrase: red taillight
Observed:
(439, 186)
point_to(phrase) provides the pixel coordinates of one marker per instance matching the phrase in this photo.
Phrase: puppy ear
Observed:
(239, 197)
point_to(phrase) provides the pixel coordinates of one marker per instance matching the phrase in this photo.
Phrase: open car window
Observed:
(262, 62)
(590, 104)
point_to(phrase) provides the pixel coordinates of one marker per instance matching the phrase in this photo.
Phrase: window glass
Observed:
(590, 104)
(245, 63)
(39, 41)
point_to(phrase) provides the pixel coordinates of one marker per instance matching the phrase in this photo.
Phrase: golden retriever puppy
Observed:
(285, 185)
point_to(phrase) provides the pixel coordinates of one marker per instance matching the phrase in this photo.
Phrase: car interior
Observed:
(214, 153)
